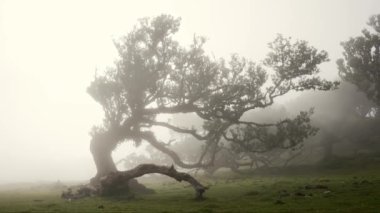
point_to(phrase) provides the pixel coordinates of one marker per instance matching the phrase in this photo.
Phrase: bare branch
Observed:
(192, 132)
(117, 178)
(149, 137)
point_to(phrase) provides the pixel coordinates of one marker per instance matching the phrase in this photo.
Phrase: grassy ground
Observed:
(327, 191)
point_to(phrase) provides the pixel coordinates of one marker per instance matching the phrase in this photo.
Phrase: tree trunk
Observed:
(109, 181)
(102, 153)
(101, 149)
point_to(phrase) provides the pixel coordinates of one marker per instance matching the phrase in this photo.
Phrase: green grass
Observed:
(348, 191)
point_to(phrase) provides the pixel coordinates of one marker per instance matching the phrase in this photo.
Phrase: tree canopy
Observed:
(361, 62)
(155, 75)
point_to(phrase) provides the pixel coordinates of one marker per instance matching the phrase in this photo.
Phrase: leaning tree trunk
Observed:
(101, 149)
(109, 181)
(114, 180)
(102, 153)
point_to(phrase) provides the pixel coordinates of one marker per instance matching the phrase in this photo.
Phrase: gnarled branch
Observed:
(116, 178)
(149, 137)
(113, 180)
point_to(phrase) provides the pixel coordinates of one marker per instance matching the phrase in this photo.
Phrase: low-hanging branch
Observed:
(113, 180)
(116, 178)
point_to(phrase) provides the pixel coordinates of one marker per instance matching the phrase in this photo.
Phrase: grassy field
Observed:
(327, 191)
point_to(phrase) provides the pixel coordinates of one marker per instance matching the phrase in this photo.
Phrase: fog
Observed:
(50, 51)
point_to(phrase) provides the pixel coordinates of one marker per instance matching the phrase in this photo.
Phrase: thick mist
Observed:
(50, 51)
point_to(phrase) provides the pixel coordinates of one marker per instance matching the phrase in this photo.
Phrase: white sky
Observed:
(49, 51)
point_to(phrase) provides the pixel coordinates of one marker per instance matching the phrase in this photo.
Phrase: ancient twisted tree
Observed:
(155, 75)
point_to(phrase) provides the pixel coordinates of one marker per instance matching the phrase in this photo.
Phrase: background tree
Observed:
(361, 63)
(155, 75)
(343, 117)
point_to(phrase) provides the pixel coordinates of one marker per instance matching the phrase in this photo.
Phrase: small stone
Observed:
(100, 207)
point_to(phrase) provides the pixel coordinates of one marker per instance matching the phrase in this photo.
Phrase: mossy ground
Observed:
(347, 191)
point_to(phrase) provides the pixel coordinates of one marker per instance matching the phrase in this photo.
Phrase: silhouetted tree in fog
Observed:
(155, 75)
(342, 118)
(361, 63)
